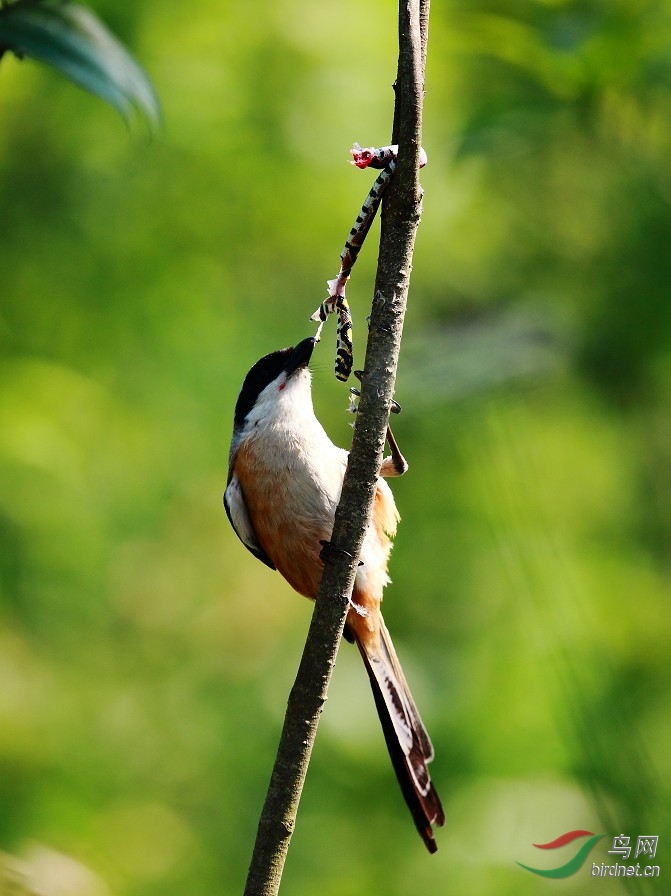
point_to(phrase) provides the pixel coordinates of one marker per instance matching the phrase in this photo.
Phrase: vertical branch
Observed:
(400, 218)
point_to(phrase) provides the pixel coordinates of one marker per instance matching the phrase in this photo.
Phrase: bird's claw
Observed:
(328, 548)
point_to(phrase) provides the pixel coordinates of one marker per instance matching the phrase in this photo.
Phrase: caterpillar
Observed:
(385, 158)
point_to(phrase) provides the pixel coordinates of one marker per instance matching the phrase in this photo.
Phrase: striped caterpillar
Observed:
(382, 158)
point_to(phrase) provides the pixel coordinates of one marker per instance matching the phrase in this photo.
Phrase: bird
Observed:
(285, 476)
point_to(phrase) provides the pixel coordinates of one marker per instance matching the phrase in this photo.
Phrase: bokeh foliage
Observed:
(145, 657)
(74, 41)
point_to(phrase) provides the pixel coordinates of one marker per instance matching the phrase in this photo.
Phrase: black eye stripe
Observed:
(261, 374)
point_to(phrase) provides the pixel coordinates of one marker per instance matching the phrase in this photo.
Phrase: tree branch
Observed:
(400, 218)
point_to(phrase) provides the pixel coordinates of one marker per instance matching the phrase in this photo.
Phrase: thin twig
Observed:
(400, 218)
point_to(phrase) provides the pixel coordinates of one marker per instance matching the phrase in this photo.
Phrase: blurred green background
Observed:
(145, 656)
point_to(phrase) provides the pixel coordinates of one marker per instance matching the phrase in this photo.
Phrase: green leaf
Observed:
(74, 41)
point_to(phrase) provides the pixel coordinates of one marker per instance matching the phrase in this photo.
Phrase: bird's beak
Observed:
(300, 356)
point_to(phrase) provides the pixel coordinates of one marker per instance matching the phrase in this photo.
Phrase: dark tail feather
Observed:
(407, 740)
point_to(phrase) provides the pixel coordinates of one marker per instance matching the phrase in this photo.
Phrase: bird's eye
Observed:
(282, 386)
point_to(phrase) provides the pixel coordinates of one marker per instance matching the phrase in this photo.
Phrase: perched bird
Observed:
(284, 482)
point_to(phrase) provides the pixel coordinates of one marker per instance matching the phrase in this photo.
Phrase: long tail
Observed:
(407, 740)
